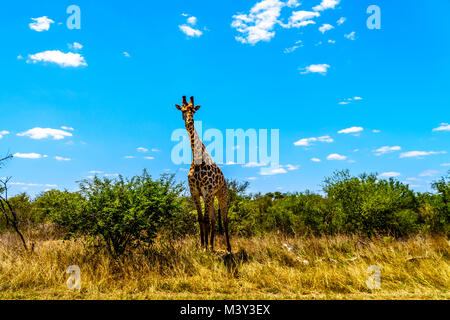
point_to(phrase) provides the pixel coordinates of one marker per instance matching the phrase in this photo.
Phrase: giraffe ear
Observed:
(196, 108)
(178, 107)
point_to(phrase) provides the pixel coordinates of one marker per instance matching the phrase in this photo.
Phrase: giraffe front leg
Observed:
(210, 220)
(201, 222)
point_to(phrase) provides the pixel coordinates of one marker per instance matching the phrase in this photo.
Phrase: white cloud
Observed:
(443, 127)
(315, 160)
(445, 164)
(41, 24)
(189, 31)
(254, 164)
(386, 149)
(67, 128)
(351, 35)
(307, 141)
(293, 3)
(75, 46)
(341, 20)
(60, 58)
(291, 167)
(272, 171)
(3, 133)
(347, 101)
(429, 173)
(62, 158)
(142, 149)
(325, 27)
(43, 133)
(252, 178)
(126, 54)
(291, 49)
(331, 41)
(353, 130)
(301, 19)
(390, 174)
(149, 158)
(156, 150)
(336, 156)
(418, 154)
(129, 157)
(95, 172)
(259, 23)
(316, 68)
(376, 131)
(326, 4)
(192, 20)
(29, 155)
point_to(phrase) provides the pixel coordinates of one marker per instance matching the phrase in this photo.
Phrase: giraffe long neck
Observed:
(199, 153)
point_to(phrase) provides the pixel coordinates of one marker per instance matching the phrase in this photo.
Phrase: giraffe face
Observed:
(188, 109)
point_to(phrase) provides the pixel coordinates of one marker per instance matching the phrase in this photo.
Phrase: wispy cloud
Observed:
(351, 130)
(142, 149)
(443, 127)
(336, 156)
(419, 154)
(351, 35)
(189, 31)
(41, 24)
(386, 149)
(348, 100)
(259, 23)
(192, 20)
(307, 141)
(254, 164)
(429, 173)
(325, 27)
(272, 171)
(29, 155)
(60, 58)
(315, 68)
(390, 174)
(315, 160)
(58, 158)
(3, 133)
(43, 133)
(326, 4)
(341, 21)
(75, 46)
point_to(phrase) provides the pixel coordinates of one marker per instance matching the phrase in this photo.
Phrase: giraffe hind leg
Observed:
(223, 205)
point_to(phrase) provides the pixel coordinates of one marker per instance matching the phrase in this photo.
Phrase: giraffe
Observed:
(206, 180)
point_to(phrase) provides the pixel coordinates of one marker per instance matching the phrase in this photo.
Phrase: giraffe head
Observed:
(188, 109)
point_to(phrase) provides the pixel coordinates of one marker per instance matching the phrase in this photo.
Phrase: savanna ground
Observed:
(273, 267)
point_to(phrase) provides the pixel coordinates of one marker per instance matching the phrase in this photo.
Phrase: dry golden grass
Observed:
(416, 268)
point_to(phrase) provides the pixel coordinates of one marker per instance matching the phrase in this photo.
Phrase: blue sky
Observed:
(110, 87)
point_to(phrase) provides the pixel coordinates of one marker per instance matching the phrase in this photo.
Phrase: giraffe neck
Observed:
(199, 153)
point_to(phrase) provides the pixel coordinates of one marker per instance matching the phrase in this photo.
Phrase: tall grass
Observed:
(273, 267)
